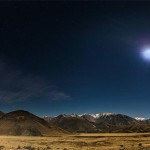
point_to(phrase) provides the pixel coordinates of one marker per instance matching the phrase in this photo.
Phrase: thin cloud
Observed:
(56, 96)
(17, 87)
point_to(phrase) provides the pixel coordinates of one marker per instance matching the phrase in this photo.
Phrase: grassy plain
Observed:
(110, 141)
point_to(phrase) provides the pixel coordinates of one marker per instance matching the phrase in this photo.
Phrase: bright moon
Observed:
(146, 54)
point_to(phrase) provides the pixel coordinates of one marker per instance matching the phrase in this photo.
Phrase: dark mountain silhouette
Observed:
(21, 122)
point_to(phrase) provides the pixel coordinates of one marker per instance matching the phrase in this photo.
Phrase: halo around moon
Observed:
(146, 54)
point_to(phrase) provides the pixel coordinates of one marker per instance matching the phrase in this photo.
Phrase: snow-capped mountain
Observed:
(101, 122)
(111, 118)
(143, 120)
(140, 119)
(102, 114)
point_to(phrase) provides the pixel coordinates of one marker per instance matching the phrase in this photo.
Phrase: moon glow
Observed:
(146, 54)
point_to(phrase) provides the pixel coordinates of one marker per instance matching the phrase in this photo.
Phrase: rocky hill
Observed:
(21, 122)
(73, 123)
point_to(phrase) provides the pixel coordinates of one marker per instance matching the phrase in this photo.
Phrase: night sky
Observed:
(75, 57)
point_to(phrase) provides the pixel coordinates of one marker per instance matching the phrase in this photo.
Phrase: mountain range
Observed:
(24, 123)
(103, 122)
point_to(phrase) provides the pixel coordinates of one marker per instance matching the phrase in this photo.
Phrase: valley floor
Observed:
(110, 141)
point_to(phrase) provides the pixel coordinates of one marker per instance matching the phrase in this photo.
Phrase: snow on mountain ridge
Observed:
(95, 116)
(140, 119)
(98, 115)
(101, 114)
